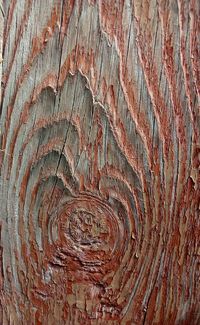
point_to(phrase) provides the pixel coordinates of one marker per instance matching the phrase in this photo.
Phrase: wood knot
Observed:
(87, 236)
(86, 228)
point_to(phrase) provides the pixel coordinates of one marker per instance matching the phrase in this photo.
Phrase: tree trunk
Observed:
(99, 159)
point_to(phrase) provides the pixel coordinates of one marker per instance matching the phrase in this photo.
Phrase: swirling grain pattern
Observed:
(99, 162)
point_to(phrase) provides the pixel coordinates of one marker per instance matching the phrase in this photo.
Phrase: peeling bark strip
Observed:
(100, 154)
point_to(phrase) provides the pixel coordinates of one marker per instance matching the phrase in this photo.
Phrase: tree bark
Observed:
(99, 161)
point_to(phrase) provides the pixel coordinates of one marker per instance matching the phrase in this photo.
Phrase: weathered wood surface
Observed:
(99, 200)
(1, 40)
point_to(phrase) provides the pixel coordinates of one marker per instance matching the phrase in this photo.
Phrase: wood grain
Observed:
(99, 162)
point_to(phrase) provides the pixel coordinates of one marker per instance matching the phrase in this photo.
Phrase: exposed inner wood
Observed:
(99, 162)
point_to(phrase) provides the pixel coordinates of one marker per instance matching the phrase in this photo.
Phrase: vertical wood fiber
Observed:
(99, 162)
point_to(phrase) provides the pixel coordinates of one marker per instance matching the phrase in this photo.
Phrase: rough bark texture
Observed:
(99, 159)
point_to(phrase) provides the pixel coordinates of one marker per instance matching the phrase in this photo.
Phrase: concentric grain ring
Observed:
(88, 235)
